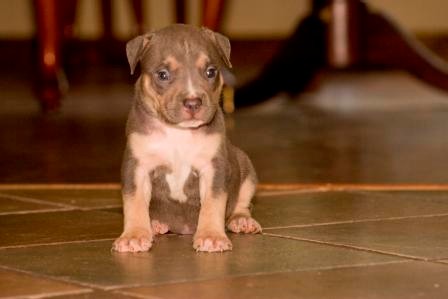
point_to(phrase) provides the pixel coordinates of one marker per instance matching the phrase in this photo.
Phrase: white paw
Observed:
(211, 242)
(244, 224)
(159, 228)
(134, 241)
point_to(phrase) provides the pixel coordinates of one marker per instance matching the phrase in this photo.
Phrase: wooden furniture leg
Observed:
(294, 66)
(180, 11)
(212, 13)
(344, 34)
(360, 37)
(137, 8)
(49, 83)
(389, 46)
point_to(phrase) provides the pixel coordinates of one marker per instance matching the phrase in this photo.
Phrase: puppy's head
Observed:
(181, 72)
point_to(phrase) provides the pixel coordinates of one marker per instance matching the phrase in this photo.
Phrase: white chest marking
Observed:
(176, 180)
(179, 149)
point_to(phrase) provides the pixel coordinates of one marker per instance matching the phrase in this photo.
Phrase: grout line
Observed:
(60, 186)
(38, 201)
(54, 243)
(359, 248)
(27, 212)
(356, 221)
(82, 209)
(267, 193)
(351, 187)
(58, 207)
(55, 294)
(262, 187)
(100, 207)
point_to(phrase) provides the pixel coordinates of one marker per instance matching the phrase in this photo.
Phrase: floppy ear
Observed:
(135, 49)
(221, 43)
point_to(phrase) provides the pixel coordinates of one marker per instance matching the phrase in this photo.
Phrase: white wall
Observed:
(245, 18)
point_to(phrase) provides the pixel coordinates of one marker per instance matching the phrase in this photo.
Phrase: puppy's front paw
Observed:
(211, 242)
(133, 241)
(243, 224)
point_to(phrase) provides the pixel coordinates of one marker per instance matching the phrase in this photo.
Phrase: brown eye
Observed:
(163, 75)
(211, 72)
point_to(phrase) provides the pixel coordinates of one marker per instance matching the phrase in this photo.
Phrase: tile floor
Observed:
(315, 244)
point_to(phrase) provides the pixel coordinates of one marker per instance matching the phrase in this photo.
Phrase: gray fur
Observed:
(181, 218)
(128, 168)
(221, 43)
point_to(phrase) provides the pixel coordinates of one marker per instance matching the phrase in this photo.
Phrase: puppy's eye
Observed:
(211, 72)
(163, 75)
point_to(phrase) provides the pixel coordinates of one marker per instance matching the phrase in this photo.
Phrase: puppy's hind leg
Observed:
(159, 228)
(241, 221)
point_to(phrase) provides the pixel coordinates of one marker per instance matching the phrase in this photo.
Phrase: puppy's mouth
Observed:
(194, 118)
(191, 123)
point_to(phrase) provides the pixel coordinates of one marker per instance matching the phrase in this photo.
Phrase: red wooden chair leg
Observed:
(212, 13)
(49, 70)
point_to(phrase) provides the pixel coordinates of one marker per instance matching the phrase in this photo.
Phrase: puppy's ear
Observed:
(135, 49)
(221, 43)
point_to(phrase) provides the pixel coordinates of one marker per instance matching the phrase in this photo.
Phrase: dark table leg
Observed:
(342, 34)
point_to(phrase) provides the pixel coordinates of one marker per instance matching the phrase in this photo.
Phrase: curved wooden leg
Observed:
(137, 8)
(49, 83)
(389, 46)
(360, 37)
(212, 11)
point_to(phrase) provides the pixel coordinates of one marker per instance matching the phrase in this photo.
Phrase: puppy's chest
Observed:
(180, 153)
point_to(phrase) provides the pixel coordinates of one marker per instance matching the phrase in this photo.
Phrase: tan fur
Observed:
(202, 60)
(151, 99)
(137, 234)
(179, 171)
(241, 220)
(210, 235)
(245, 195)
(172, 61)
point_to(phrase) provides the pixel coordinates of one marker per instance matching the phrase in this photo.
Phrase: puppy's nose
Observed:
(192, 104)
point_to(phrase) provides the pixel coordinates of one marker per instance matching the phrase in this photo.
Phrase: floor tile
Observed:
(9, 205)
(326, 207)
(27, 286)
(58, 227)
(424, 238)
(84, 198)
(402, 280)
(318, 139)
(351, 129)
(172, 259)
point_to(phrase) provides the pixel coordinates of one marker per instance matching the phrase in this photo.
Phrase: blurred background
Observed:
(247, 19)
(335, 124)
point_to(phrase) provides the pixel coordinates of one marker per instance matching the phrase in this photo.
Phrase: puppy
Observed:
(180, 173)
